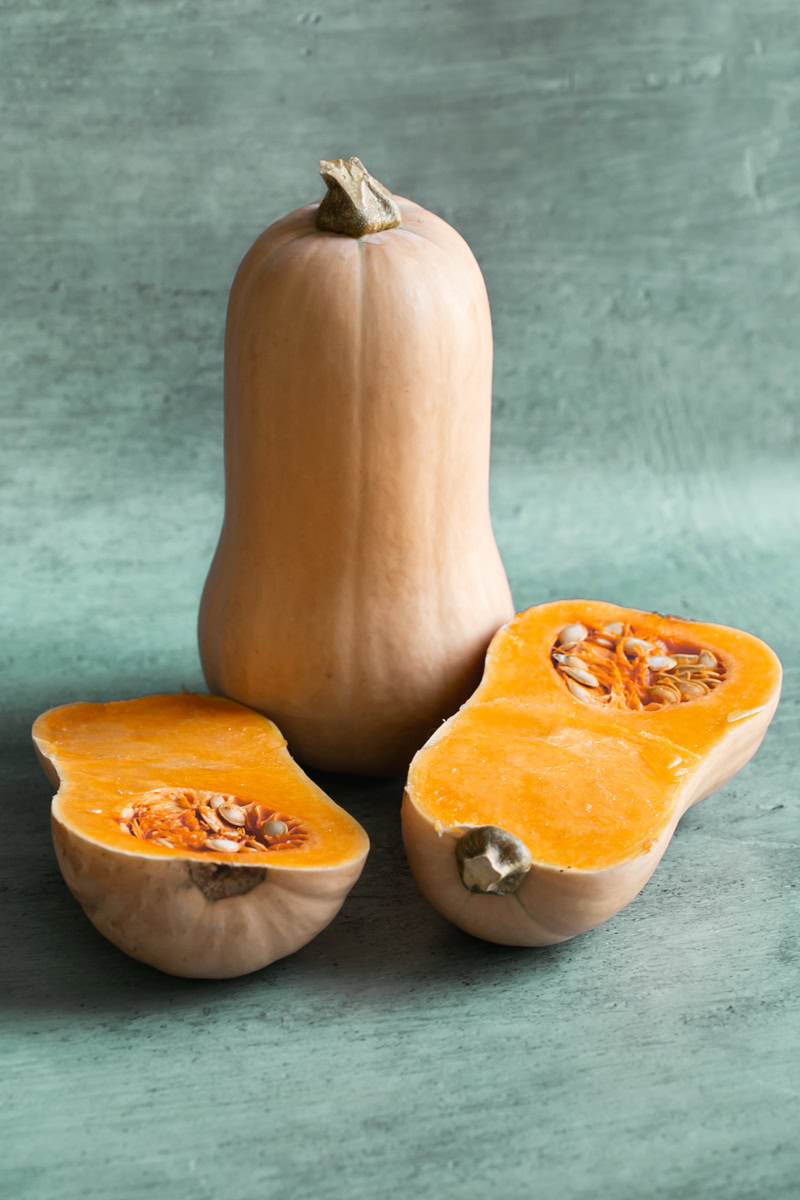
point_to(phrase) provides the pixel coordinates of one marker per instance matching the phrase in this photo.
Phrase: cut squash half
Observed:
(188, 834)
(544, 805)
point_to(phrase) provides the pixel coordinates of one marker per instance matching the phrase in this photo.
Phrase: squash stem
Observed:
(355, 203)
(492, 860)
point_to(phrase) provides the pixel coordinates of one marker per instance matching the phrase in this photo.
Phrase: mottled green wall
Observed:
(627, 173)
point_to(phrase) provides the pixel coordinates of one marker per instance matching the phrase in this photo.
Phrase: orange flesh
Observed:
(584, 785)
(109, 756)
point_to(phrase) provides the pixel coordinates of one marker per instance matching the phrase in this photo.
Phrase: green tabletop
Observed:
(627, 174)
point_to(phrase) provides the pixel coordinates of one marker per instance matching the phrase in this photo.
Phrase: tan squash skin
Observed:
(145, 900)
(356, 584)
(555, 901)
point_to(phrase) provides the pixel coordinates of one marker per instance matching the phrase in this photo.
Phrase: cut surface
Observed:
(576, 798)
(190, 776)
(589, 783)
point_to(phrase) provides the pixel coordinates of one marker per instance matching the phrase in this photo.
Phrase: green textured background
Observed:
(628, 174)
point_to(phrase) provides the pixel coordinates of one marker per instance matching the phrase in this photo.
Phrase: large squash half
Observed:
(188, 834)
(544, 805)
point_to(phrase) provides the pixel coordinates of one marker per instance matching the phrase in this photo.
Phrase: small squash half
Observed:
(544, 805)
(189, 836)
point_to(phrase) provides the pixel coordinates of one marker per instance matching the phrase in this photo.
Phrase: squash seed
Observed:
(634, 645)
(232, 813)
(706, 659)
(580, 675)
(223, 845)
(216, 802)
(271, 829)
(661, 662)
(664, 694)
(615, 627)
(210, 818)
(571, 634)
(577, 692)
(691, 688)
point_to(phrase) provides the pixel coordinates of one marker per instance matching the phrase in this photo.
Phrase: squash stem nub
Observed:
(355, 203)
(492, 860)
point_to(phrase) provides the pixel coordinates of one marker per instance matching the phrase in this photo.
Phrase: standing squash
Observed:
(356, 583)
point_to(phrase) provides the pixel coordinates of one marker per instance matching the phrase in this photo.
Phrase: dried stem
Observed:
(355, 203)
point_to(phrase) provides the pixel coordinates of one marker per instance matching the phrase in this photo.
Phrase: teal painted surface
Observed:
(627, 174)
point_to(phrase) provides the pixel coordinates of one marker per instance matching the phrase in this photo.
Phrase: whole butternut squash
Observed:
(356, 583)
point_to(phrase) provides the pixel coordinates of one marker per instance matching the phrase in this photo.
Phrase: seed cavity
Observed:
(616, 667)
(198, 821)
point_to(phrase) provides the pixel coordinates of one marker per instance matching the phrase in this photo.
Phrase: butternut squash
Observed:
(188, 835)
(543, 806)
(356, 584)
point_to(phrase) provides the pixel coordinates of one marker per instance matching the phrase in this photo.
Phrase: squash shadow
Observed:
(388, 942)
(385, 947)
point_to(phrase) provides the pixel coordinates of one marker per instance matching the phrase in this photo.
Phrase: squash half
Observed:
(543, 806)
(189, 836)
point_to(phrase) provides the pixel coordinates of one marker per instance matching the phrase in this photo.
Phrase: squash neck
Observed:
(355, 203)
